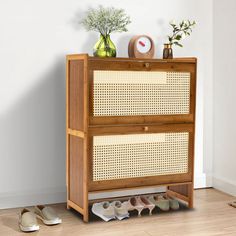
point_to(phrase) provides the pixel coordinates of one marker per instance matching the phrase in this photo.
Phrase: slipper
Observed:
(47, 215)
(160, 202)
(174, 203)
(28, 221)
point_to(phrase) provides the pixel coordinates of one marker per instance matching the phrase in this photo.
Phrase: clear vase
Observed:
(104, 47)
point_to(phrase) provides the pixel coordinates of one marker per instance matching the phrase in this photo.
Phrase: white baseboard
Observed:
(33, 197)
(224, 185)
(202, 181)
(58, 195)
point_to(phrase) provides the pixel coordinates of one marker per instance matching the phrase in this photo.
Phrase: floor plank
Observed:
(210, 217)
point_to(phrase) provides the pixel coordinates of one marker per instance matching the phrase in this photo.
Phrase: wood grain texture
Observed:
(76, 133)
(75, 207)
(141, 181)
(211, 217)
(139, 129)
(174, 60)
(67, 135)
(76, 95)
(183, 189)
(141, 66)
(77, 126)
(137, 187)
(76, 170)
(85, 147)
(93, 121)
(177, 195)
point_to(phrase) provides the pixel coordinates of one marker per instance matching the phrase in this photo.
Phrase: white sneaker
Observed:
(104, 210)
(28, 221)
(121, 210)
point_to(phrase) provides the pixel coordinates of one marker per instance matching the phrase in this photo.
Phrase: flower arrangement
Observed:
(180, 31)
(105, 21)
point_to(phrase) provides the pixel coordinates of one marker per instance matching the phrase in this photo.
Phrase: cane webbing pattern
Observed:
(132, 93)
(139, 155)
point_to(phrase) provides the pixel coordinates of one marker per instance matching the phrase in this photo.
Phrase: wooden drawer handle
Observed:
(145, 128)
(147, 65)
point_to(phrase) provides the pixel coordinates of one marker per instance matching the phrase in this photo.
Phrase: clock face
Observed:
(143, 44)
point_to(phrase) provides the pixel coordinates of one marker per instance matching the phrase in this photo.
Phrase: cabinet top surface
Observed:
(87, 57)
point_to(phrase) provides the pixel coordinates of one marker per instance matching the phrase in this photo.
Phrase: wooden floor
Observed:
(211, 216)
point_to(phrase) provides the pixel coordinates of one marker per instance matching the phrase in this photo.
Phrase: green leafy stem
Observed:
(180, 31)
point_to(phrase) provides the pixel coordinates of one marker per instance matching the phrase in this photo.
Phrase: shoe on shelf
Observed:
(47, 215)
(174, 203)
(104, 210)
(121, 211)
(134, 204)
(28, 221)
(160, 202)
(232, 204)
(146, 203)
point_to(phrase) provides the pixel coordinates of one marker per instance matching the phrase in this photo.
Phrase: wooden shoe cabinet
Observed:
(130, 124)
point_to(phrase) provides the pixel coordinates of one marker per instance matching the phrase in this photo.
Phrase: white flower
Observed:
(106, 20)
(173, 22)
(183, 35)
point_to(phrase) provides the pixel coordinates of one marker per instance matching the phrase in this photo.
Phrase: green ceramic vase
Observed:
(104, 47)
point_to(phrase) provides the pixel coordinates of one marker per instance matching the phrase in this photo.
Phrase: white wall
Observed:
(35, 36)
(224, 177)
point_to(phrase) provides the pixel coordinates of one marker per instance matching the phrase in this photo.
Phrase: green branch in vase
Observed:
(180, 31)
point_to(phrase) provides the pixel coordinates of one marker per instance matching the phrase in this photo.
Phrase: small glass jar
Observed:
(167, 51)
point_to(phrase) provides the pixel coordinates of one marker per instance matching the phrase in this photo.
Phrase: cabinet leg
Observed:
(190, 204)
(68, 207)
(86, 217)
(190, 195)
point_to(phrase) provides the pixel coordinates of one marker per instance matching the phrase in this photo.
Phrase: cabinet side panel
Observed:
(76, 97)
(76, 170)
(182, 189)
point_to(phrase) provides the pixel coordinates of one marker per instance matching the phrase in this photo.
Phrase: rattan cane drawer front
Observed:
(139, 155)
(135, 93)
